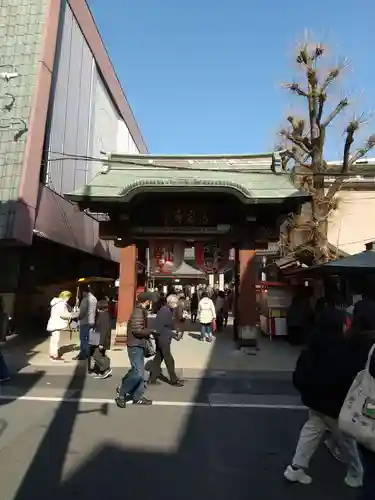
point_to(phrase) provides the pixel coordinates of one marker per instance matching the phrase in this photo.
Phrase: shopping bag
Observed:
(149, 349)
(214, 326)
(357, 416)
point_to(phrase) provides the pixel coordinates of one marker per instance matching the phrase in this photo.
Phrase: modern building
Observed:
(61, 107)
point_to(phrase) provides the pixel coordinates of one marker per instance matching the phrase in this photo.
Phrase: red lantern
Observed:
(212, 258)
(166, 256)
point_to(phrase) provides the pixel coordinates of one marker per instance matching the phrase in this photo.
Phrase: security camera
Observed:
(8, 76)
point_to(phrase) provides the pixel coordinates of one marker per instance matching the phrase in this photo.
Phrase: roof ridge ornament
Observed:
(277, 165)
(106, 167)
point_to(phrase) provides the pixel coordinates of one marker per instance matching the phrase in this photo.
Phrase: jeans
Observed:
(4, 372)
(84, 335)
(133, 383)
(312, 433)
(368, 458)
(206, 330)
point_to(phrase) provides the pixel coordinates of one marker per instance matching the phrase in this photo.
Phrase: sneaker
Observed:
(142, 401)
(121, 403)
(105, 374)
(353, 481)
(57, 358)
(334, 449)
(295, 475)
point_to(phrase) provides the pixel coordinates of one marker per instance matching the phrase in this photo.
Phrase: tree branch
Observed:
(296, 89)
(369, 144)
(292, 155)
(349, 161)
(297, 140)
(341, 105)
(333, 74)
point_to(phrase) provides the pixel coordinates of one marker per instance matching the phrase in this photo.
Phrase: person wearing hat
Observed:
(60, 315)
(164, 325)
(133, 383)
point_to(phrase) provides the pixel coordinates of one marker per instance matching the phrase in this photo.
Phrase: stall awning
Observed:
(184, 271)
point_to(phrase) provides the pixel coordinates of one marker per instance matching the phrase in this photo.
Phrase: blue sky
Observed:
(205, 76)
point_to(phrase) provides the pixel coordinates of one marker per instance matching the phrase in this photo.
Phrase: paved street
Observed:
(225, 437)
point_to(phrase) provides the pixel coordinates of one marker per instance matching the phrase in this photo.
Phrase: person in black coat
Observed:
(323, 376)
(299, 318)
(102, 362)
(194, 307)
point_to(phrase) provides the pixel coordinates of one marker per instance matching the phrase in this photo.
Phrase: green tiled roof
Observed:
(252, 178)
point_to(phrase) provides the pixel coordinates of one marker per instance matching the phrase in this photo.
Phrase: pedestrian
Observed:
(194, 307)
(299, 318)
(86, 316)
(323, 376)
(206, 317)
(60, 316)
(180, 316)
(133, 383)
(164, 325)
(219, 308)
(4, 371)
(100, 342)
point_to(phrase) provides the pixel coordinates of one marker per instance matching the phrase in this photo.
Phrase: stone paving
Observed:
(196, 359)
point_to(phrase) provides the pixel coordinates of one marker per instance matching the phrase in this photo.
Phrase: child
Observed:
(100, 341)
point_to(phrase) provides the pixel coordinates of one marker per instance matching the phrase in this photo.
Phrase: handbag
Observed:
(149, 349)
(357, 415)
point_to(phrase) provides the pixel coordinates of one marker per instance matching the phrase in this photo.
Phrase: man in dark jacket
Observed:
(133, 384)
(323, 376)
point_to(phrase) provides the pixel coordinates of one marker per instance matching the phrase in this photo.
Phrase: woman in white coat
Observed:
(206, 317)
(58, 321)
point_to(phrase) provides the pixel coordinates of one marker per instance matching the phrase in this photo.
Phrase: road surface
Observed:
(61, 437)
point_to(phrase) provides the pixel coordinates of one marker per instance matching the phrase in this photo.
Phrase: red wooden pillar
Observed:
(127, 290)
(247, 314)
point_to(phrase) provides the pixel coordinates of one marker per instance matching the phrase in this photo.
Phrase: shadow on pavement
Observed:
(223, 453)
(13, 390)
(45, 472)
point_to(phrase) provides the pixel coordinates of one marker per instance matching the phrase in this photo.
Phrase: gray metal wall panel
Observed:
(84, 116)
(59, 116)
(71, 109)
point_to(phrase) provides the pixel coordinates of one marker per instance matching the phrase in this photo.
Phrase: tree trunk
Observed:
(320, 230)
(319, 209)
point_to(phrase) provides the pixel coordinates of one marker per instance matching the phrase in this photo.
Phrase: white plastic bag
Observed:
(357, 416)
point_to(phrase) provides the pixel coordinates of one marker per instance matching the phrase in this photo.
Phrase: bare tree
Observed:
(304, 142)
